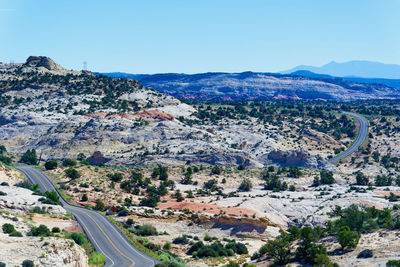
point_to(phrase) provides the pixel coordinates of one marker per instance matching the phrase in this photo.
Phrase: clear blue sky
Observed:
(190, 36)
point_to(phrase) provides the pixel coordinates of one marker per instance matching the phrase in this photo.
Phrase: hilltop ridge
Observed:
(255, 85)
(63, 113)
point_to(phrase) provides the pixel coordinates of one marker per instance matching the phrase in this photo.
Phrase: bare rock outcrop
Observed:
(298, 158)
(40, 61)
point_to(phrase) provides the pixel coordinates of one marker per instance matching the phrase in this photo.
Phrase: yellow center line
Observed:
(44, 185)
(38, 179)
(112, 243)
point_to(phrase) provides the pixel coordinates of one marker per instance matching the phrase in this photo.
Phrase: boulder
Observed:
(298, 158)
(97, 158)
(366, 253)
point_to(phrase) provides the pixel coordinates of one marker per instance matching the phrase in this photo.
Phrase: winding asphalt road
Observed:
(105, 236)
(362, 134)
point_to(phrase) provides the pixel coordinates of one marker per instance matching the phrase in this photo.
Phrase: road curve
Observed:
(362, 134)
(105, 236)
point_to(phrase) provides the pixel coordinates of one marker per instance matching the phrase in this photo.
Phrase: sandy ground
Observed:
(10, 176)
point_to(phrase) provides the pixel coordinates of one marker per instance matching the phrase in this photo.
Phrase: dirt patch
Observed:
(10, 176)
(387, 193)
(68, 225)
(110, 115)
(207, 208)
(370, 204)
(98, 114)
(156, 114)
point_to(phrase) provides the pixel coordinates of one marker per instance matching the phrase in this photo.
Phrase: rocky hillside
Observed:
(251, 85)
(62, 113)
(23, 210)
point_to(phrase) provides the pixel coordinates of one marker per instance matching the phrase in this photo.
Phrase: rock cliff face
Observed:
(46, 62)
(298, 158)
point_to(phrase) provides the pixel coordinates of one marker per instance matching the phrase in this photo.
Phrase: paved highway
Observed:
(105, 237)
(362, 134)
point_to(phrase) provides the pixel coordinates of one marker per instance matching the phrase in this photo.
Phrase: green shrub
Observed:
(322, 260)
(30, 157)
(148, 244)
(294, 172)
(81, 157)
(232, 264)
(393, 263)
(169, 259)
(211, 185)
(42, 230)
(278, 250)
(115, 177)
(51, 165)
(181, 240)
(51, 198)
(167, 246)
(72, 173)
(79, 238)
(216, 170)
(16, 234)
(160, 172)
(307, 250)
(69, 163)
(195, 247)
(38, 210)
(361, 178)
(55, 230)
(97, 259)
(216, 249)
(6, 160)
(99, 205)
(145, 230)
(370, 218)
(8, 228)
(383, 180)
(312, 252)
(245, 185)
(84, 197)
(348, 238)
(326, 177)
(207, 237)
(237, 247)
(273, 182)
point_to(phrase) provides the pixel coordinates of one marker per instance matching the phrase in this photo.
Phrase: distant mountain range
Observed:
(254, 85)
(389, 82)
(357, 68)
